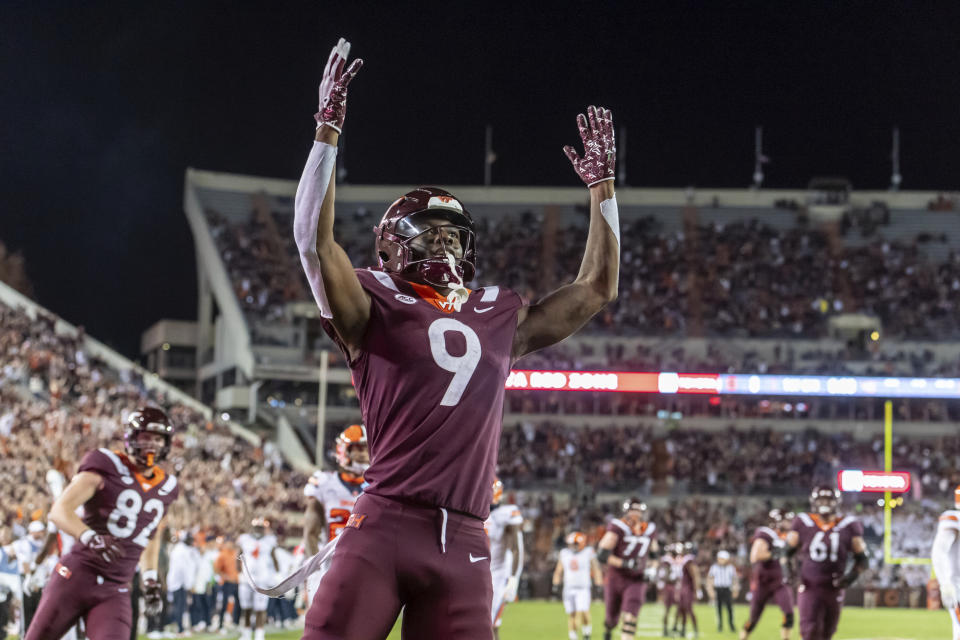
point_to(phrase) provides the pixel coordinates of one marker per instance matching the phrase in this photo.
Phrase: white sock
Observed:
(587, 630)
(572, 635)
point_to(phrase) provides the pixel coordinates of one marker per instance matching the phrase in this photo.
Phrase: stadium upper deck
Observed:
(712, 280)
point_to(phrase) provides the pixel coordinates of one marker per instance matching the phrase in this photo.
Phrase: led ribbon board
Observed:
(669, 382)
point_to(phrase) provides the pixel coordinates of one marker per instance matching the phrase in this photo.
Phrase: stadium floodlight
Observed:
(895, 177)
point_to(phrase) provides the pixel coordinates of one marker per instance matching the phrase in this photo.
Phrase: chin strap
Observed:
(458, 293)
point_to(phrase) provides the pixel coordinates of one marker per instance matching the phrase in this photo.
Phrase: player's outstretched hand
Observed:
(106, 546)
(333, 87)
(152, 594)
(599, 147)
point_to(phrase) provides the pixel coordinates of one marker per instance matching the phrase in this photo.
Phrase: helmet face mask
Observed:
(635, 511)
(824, 500)
(420, 230)
(259, 527)
(144, 451)
(781, 520)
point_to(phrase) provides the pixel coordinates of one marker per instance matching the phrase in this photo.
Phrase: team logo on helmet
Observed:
(428, 234)
(351, 450)
(147, 420)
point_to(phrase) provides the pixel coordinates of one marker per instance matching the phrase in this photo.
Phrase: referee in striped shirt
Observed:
(723, 586)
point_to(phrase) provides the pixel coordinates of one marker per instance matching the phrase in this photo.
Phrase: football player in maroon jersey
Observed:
(825, 542)
(124, 496)
(767, 581)
(430, 358)
(624, 548)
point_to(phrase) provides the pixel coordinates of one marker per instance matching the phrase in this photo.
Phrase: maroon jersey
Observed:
(128, 506)
(688, 562)
(430, 381)
(669, 570)
(824, 548)
(632, 544)
(767, 574)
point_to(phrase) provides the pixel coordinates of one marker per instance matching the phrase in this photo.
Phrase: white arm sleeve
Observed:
(306, 216)
(610, 213)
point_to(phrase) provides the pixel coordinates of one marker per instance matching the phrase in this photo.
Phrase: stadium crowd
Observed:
(57, 402)
(739, 279)
(684, 460)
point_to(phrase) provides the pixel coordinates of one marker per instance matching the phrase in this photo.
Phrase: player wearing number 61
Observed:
(825, 541)
(124, 496)
(429, 359)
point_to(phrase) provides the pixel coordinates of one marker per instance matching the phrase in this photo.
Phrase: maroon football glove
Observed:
(105, 545)
(333, 87)
(152, 594)
(599, 147)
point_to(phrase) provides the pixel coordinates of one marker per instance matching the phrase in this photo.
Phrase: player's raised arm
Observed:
(332, 280)
(562, 312)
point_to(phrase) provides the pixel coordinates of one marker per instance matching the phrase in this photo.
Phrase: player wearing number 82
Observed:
(124, 496)
(429, 360)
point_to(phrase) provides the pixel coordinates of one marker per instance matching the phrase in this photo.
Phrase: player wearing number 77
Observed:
(825, 541)
(625, 547)
(124, 496)
(429, 359)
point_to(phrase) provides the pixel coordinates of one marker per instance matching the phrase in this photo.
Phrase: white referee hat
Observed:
(723, 555)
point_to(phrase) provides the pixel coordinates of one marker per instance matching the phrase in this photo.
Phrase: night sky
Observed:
(104, 106)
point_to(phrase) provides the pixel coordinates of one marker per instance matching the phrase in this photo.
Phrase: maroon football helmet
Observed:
(419, 229)
(824, 500)
(151, 420)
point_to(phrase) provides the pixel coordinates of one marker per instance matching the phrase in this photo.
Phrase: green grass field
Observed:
(540, 620)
